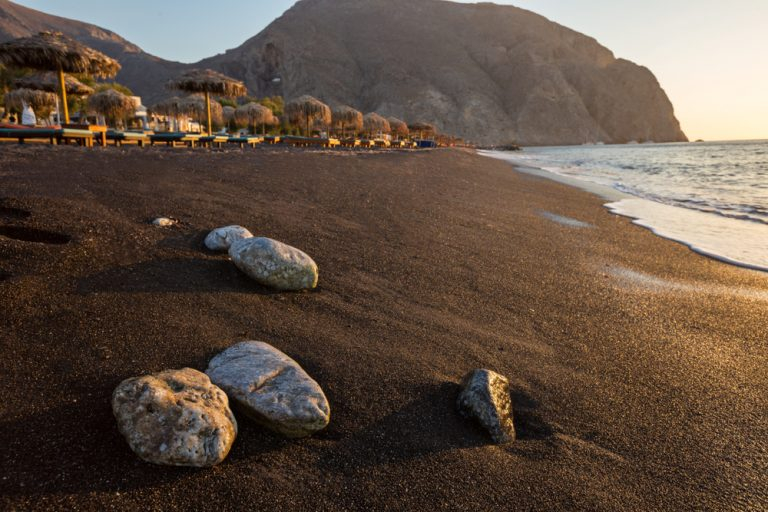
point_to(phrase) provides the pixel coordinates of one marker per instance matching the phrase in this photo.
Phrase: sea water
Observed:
(711, 196)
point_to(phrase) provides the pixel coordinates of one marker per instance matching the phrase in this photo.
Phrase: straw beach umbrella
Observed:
(196, 106)
(423, 128)
(170, 107)
(228, 113)
(112, 104)
(53, 51)
(398, 127)
(307, 110)
(41, 102)
(255, 114)
(345, 116)
(374, 123)
(48, 81)
(208, 82)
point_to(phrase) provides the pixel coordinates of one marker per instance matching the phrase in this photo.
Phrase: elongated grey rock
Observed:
(221, 239)
(274, 264)
(175, 417)
(270, 388)
(485, 397)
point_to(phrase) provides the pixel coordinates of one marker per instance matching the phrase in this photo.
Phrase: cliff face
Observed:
(145, 74)
(490, 73)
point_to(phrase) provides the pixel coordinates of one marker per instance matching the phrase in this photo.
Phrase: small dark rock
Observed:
(485, 397)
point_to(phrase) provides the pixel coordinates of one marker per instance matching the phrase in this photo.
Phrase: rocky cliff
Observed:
(490, 73)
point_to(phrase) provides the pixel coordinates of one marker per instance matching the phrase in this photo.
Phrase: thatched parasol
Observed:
(40, 101)
(423, 128)
(200, 107)
(398, 127)
(307, 110)
(374, 123)
(208, 82)
(345, 116)
(48, 81)
(112, 104)
(255, 114)
(53, 51)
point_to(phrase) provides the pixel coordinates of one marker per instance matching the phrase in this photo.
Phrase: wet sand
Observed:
(638, 368)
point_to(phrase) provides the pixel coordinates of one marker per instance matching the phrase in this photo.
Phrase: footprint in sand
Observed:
(39, 236)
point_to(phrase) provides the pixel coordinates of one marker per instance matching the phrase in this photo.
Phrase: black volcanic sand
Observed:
(638, 368)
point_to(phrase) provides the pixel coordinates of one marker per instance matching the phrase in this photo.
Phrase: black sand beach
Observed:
(638, 368)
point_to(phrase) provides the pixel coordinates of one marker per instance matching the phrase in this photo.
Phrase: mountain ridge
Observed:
(492, 74)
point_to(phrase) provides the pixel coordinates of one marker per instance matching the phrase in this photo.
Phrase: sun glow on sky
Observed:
(708, 55)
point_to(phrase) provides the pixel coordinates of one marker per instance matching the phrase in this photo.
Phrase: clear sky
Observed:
(711, 56)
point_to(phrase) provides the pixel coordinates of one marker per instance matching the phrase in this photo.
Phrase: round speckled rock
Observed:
(274, 264)
(485, 397)
(175, 417)
(221, 239)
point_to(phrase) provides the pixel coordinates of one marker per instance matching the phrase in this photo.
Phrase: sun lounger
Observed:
(54, 136)
(119, 138)
(311, 141)
(246, 141)
(350, 143)
(213, 140)
(174, 138)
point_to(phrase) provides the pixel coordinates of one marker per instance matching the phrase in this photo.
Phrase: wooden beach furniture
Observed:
(99, 131)
(246, 141)
(273, 139)
(312, 141)
(52, 135)
(175, 138)
(120, 138)
(211, 141)
(350, 143)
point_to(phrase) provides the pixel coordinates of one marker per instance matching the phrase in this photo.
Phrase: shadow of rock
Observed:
(74, 448)
(176, 275)
(425, 426)
(528, 423)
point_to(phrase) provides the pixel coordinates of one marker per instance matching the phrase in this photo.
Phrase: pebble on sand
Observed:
(175, 418)
(485, 397)
(164, 222)
(221, 239)
(274, 264)
(271, 388)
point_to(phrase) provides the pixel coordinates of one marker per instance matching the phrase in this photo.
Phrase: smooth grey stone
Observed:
(221, 239)
(274, 264)
(271, 388)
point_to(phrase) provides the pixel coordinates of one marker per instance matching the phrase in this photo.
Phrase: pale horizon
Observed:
(708, 58)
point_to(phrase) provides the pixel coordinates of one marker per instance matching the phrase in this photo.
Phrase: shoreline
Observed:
(636, 366)
(656, 217)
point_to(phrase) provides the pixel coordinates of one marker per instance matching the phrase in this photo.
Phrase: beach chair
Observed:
(273, 139)
(174, 138)
(120, 138)
(246, 141)
(210, 141)
(52, 135)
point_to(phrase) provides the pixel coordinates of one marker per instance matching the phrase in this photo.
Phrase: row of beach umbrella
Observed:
(54, 55)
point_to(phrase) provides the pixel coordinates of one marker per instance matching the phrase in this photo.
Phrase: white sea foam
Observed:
(711, 197)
